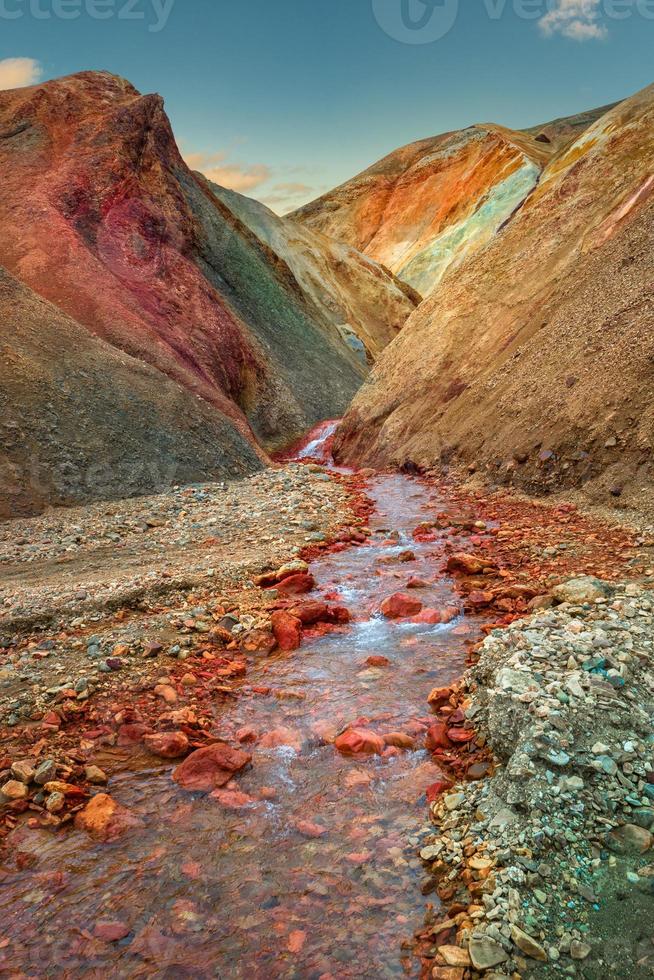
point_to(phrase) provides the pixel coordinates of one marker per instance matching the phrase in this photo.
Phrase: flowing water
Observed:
(317, 876)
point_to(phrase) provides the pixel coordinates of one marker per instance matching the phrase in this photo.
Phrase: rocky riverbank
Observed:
(547, 867)
(122, 619)
(134, 625)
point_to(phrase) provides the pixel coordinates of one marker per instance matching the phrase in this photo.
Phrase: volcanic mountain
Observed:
(102, 218)
(533, 358)
(426, 207)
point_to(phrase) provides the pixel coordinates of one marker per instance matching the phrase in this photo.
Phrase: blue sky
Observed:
(283, 99)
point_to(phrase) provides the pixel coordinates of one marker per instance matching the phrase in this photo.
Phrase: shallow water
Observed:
(211, 892)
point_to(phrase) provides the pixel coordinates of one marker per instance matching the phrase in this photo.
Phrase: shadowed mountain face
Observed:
(426, 207)
(81, 420)
(533, 358)
(101, 217)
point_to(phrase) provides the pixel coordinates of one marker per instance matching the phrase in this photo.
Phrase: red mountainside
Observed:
(102, 218)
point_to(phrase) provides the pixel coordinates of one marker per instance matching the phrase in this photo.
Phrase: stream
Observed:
(315, 874)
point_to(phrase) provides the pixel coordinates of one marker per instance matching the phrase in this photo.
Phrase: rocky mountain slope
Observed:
(101, 217)
(533, 359)
(81, 420)
(366, 305)
(429, 205)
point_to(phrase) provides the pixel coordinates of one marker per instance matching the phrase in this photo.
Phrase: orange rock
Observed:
(104, 819)
(258, 641)
(400, 605)
(287, 630)
(460, 735)
(399, 740)
(297, 584)
(167, 745)
(480, 600)
(357, 741)
(210, 768)
(296, 940)
(281, 736)
(309, 829)
(231, 799)
(168, 693)
(440, 695)
(428, 616)
(468, 564)
(437, 737)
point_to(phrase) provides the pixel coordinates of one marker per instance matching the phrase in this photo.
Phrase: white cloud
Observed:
(234, 176)
(19, 72)
(576, 19)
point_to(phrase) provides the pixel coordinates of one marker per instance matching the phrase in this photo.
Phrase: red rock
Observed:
(308, 829)
(400, 605)
(210, 768)
(460, 735)
(378, 662)
(339, 614)
(51, 720)
(258, 641)
(167, 745)
(437, 737)
(104, 819)
(362, 857)
(111, 932)
(428, 616)
(281, 736)
(480, 600)
(399, 740)
(296, 941)
(468, 564)
(231, 799)
(417, 583)
(132, 733)
(437, 789)
(357, 741)
(167, 692)
(310, 613)
(440, 695)
(296, 584)
(287, 630)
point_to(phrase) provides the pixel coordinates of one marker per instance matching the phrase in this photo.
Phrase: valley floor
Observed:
(138, 625)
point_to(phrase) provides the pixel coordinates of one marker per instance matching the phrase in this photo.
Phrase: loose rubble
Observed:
(563, 830)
